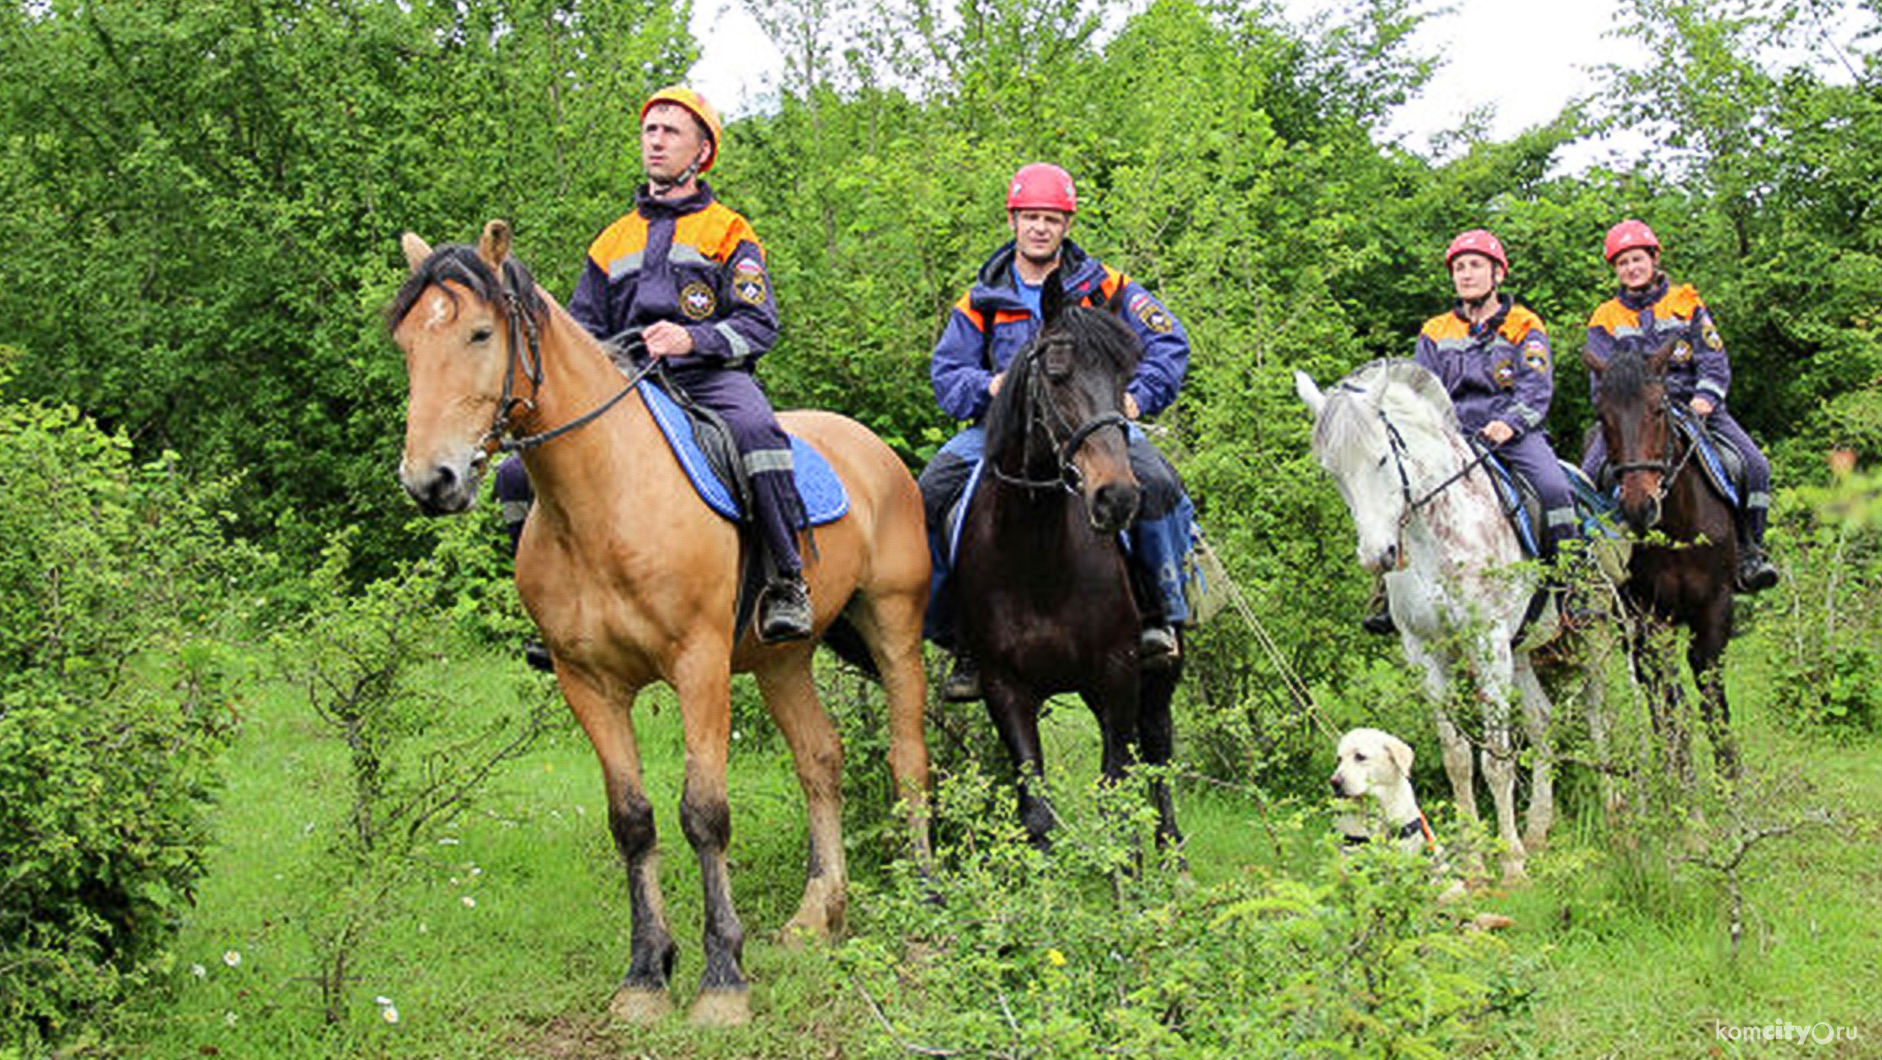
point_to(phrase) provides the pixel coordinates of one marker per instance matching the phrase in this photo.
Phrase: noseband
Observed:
(1065, 439)
(1395, 442)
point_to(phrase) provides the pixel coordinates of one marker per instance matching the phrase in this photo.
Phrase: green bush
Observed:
(113, 706)
(1004, 950)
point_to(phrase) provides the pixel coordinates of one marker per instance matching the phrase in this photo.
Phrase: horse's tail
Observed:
(843, 638)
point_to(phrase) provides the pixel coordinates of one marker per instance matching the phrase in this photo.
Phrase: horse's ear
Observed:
(1309, 392)
(417, 251)
(1594, 364)
(495, 244)
(1656, 364)
(1051, 298)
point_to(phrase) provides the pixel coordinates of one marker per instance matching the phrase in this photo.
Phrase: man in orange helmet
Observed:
(689, 273)
(987, 327)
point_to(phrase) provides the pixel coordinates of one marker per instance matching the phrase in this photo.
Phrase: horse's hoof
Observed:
(819, 916)
(722, 1008)
(638, 1004)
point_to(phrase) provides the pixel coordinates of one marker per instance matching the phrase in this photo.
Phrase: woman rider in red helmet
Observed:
(1492, 355)
(1646, 313)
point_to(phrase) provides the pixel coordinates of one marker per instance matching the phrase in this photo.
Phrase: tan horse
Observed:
(633, 580)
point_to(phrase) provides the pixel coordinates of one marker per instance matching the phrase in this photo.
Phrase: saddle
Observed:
(703, 445)
(1522, 505)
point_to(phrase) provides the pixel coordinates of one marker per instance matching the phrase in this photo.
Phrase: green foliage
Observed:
(204, 200)
(114, 703)
(1005, 950)
(368, 663)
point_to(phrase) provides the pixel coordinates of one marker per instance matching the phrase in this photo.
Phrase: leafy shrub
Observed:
(1004, 950)
(113, 707)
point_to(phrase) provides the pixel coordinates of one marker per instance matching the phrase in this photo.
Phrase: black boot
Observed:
(1378, 620)
(536, 654)
(784, 611)
(963, 683)
(1755, 573)
(1158, 648)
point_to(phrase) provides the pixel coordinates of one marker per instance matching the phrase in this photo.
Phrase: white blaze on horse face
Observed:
(440, 311)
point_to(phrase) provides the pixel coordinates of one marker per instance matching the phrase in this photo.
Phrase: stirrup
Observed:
(1380, 623)
(1158, 648)
(963, 684)
(1755, 573)
(784, 612)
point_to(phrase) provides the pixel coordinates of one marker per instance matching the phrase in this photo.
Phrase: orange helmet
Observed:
(1626, 236)
(1042, 186)
(1477, 241)
(695, 104)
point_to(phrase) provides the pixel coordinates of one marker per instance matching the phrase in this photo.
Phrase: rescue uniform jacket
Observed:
(1496, 370)
(1646, 320)
(964, 360)
(692, 261)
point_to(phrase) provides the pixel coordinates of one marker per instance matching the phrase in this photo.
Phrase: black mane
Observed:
(1626, 375)
(460, 263)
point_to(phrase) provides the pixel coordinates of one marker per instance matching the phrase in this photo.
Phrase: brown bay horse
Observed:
(1683, 575)
(633, 580)
(1043, 597)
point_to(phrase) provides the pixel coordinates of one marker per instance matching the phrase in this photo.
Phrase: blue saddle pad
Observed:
(825, 499)
(1708, 452)
(1510, 495)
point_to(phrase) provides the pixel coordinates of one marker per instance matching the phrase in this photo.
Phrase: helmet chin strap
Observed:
(685, 177)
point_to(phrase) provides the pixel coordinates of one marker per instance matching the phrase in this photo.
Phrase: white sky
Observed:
(1528, 58)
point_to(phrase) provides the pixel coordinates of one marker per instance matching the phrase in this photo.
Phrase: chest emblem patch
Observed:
(1682, 352)
(1504, 372)
(697, 300)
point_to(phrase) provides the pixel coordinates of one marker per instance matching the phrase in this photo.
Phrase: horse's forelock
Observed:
(460, 263)
(1625, 377)
(1101, 339)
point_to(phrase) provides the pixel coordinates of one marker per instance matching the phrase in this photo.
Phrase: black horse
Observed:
(1045, 599)
(1685, 579)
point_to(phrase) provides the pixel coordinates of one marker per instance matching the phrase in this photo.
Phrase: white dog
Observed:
(1377, 763)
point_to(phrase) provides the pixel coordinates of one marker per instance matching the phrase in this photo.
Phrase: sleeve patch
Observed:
(1712, 340)
(1536, 356)
(1153, 316)
(748, 282)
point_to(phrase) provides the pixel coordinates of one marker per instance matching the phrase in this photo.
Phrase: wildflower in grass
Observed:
(232, 958)
(1056, 958)
(387, 1010)
(199, 971)
(230, 1019)
(469, 902)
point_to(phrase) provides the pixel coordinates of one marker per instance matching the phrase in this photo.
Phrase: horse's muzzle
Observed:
(1641, 516)
(1113, 506)
(442, 488)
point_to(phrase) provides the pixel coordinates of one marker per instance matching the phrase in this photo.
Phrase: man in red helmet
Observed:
(1492, 355)
(1646, 313)
(689, 272)
(987, 327)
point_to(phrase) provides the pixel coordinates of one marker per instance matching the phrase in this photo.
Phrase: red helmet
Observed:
(1042, 186)
(1477, 241)
(1626, 236)
(695, 104)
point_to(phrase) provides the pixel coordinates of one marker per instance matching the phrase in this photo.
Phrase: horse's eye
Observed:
(481, 335)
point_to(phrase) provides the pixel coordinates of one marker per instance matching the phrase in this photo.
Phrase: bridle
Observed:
(1669, 469)
(1065, 439)
(525, 340)
(1400, 452)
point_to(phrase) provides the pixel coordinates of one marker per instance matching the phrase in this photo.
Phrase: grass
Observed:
(510, 935)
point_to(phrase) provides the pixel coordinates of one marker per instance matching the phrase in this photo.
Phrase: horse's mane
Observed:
(461, 264)
(1626, 375)
(1104, 343)
(1405, 390)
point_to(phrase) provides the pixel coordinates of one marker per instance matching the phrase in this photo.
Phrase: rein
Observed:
(1396, 442)
(1669, 469)
(529, 351)
(1038, 408)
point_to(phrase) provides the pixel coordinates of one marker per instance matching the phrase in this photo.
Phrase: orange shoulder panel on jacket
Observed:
(965, 307)
(1611, 316)
(625, 236)
(1113, 280)
(1520, 322)
(1682, 301)
(715, 231)
(1446, 326)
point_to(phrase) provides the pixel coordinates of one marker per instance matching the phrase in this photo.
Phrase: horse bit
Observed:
(1043, 413)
